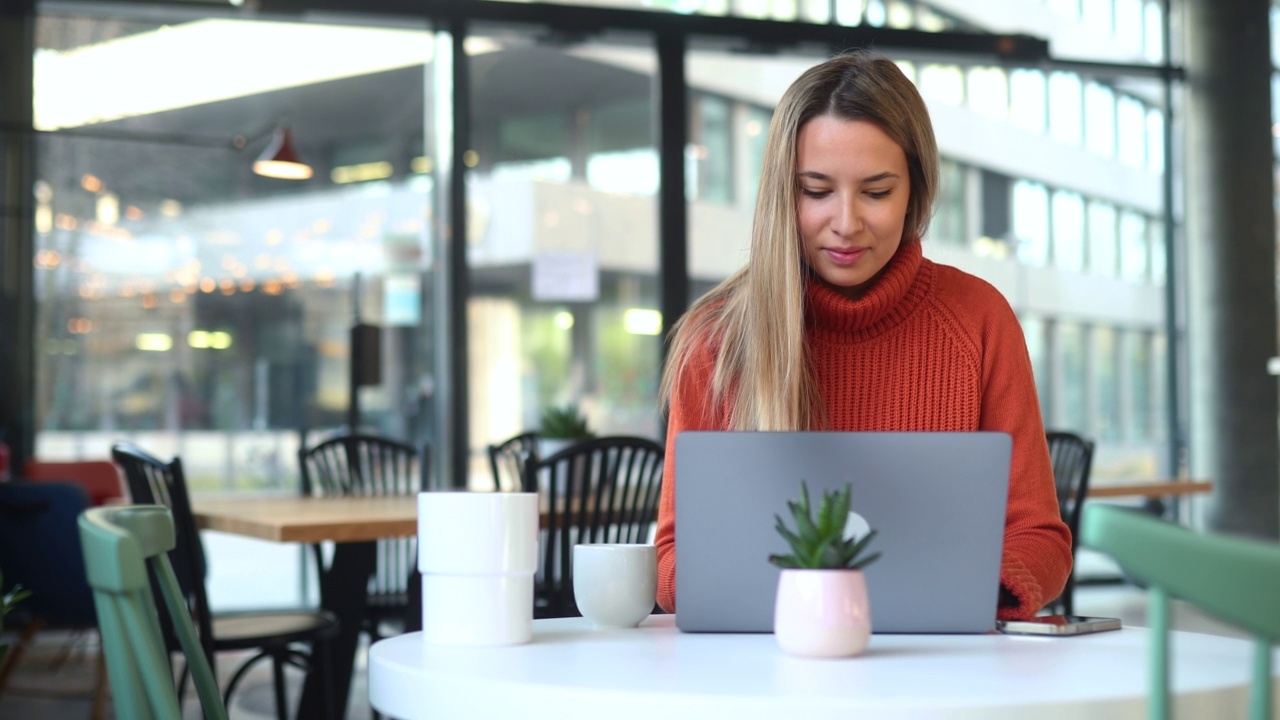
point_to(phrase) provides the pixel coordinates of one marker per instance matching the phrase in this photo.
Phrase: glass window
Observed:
(1035, 330)
(1027, 99)
(1159, 402)
(1131, 127)
(901, 15)
(1129, 21)
(1274, 15)
(1103, 252)
(943, 83)
(1159, 258)
(849, 12)
(1097, 15)
(1065, 111)
(1072, 410)
(1066, 8)
(1155, 140)
(1031, 222)
(1068, 230)
(1137, 359)
(1153, 31)
(711, 170)
(1100, 119)
(564, 288)
(989, 92)
(1106, 370)
(1133, 246)
(875, 13)
(948, 226)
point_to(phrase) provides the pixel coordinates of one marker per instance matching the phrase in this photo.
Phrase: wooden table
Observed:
(1150, 489)
(354, 524)
(308, 520)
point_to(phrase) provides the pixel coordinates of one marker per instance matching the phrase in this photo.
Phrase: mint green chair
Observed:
(1234, 579)
(120, 542)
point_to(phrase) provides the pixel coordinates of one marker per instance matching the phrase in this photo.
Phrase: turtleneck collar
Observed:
(891, 297)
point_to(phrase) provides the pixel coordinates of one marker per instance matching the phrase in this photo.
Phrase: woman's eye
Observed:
(879, 194)
(814, 193)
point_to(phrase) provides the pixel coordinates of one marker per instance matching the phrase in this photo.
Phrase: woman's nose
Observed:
(847, 217)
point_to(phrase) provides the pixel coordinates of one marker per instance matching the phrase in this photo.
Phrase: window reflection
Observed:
(1133, 246)
(1068, 230)
(1065, 113)
(1106, 371)
(1031, 222)
(1027, 99)
(1072, 409)
(1100, 119)
(1103, 252)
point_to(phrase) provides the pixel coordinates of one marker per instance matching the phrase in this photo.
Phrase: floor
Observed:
(38, 690)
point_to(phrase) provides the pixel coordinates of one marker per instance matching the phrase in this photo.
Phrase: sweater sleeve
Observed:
(688, 411)
(1037, 544)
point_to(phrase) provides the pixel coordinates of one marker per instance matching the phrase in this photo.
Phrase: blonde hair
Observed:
(755, 318)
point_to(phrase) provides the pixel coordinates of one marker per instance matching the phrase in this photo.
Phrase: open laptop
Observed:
(937, 500)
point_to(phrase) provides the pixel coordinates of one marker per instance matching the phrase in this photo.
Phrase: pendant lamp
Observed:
(280, 159)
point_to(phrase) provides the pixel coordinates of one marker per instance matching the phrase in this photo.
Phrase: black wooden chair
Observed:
(508, 458)
(1072, 458)
(357, 464)
(275, 634)
(603, 490)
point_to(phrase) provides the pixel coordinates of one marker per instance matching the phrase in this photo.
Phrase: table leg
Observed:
(343, 587)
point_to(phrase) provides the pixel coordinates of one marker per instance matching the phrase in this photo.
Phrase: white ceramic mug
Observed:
(478, 552)
(615, 584)
(477, 533)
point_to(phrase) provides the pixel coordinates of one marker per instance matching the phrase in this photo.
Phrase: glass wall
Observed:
(562, 239)
(193, 305)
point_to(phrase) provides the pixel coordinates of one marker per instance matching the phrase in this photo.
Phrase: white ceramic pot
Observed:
(822, 613)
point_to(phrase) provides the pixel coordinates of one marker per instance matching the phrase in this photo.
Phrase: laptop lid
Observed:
(937, 500)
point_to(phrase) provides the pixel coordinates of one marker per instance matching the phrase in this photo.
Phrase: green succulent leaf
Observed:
(818, 540)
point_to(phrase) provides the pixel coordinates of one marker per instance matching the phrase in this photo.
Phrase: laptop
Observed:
(937, 500)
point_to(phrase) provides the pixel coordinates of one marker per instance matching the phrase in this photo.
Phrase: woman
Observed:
(838, 322)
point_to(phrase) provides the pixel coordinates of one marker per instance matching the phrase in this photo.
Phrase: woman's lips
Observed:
(845, 257)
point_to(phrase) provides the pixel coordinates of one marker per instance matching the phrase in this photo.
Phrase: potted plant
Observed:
(822, 608)
(561, 427)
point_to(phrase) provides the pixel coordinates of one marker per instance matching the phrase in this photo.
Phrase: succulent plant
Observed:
(818, 543)
(564, 423)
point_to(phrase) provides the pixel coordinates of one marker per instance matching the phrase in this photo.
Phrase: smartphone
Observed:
(1058, 625)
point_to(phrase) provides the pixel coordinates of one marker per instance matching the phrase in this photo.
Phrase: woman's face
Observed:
(854, 187)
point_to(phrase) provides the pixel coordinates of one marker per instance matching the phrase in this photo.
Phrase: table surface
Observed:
(307, 520)
(571, 670)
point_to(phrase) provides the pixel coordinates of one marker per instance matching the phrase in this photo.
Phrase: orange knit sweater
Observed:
(928, 347)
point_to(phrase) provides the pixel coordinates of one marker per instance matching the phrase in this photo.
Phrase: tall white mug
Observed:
(615, 584)
(477, 552)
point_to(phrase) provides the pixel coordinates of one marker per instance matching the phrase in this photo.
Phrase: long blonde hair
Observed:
(763, 377)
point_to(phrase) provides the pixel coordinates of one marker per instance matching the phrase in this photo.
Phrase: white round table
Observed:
(656, 672)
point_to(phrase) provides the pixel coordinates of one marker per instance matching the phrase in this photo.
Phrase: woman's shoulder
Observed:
(970, 297)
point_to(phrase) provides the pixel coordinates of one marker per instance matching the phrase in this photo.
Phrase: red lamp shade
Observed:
(280, 159)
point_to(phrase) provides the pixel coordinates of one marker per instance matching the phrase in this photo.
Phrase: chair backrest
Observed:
(603, 490)
(100, 478)
(120, 542)
(364, 465)
(153, 481)
(1072, 458)
(508, 458)
(1234, 579)
(371, 465)
(40, 550)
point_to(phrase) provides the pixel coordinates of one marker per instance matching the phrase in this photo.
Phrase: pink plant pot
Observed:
(822, 613)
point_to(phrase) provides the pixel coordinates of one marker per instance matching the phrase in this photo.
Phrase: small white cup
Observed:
(615, 584)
